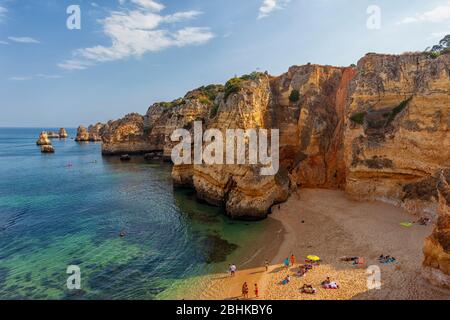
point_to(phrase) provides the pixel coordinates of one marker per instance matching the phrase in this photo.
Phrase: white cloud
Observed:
(138, 31)
(436, 15)
(23, 39)
(74, 65)
(39, 75)
(271, 5)
(149, 4)
(3, 42)
(3, 12)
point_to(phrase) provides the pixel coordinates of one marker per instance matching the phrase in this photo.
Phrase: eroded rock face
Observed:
(82, 134)
(151, 133)
(397, 129)
(312, 126)
(307, 105)
(63, 133)
(43, 139)
(437, 246)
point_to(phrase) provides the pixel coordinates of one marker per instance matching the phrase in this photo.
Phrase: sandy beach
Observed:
(326, 223)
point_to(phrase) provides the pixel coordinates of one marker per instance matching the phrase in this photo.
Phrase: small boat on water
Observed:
(125, 157)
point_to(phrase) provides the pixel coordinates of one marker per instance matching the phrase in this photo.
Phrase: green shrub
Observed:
(252, 76)
(358, 117)
(294, 96)
(232, 86)
(396, 110)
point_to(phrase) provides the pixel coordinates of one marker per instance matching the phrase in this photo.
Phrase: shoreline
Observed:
(328, 224)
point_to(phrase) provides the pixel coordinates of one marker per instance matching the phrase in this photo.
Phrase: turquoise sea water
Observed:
(68, 208)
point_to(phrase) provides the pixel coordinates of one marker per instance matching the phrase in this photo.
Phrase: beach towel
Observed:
(406, 224)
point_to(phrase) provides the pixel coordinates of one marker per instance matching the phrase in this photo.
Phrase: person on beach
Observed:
(245, 290)
(286, 263)
(267, 265)
(256, 291)
(292, 259)
(233, 269)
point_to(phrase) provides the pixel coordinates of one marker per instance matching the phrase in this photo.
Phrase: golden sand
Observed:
(327, 224)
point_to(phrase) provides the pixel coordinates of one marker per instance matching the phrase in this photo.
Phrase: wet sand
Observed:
(326, 223)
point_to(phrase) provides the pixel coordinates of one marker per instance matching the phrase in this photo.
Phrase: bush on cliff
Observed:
(235, 84)
(358, 117)
(232, 86)
(294, 96)
(443, 47)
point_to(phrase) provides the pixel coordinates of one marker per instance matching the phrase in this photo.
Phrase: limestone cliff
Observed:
(437, 246)
(397, 129)
(143, 134)
(379, 130)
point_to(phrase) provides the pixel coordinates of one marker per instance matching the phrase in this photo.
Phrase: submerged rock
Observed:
(47, 149)
(43, 139)
(125, 157)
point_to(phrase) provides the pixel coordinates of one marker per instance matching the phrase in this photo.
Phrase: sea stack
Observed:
(95, 132)
(47, 149)
(82, 134)
(63, 133)
(43, 139)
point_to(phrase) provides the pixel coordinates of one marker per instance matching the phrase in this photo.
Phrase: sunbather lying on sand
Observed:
(348, 259)
(302, 271)
(386, 259)
(308, 289)
(328, 284)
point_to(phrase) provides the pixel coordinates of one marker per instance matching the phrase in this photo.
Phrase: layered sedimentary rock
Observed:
(63, 133)
(307, 105)
(82, 134)
(43, 139)
(397, 129)
(437, 246)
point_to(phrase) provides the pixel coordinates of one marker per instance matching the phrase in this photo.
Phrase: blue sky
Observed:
(129, 54)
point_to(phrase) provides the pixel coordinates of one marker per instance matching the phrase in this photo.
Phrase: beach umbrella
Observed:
(313, 258)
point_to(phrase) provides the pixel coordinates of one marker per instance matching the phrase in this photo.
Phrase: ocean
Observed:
(69, 208)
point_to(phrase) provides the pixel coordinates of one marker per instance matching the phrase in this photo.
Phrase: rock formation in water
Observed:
(82, 134)
(47, 149)
(63, 133)
(43, 139)
(96, 131)
(52, 135)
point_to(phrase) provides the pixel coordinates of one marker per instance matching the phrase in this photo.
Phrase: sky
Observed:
(128, 54)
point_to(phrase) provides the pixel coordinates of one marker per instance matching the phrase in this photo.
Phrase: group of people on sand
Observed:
(302, 270)
(245, 291)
